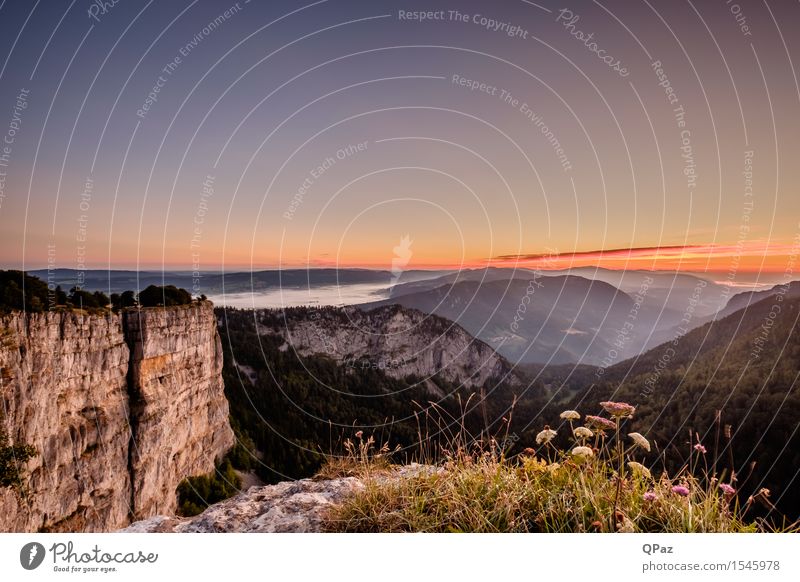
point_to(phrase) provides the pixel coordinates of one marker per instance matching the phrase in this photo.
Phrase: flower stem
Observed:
(620, 468)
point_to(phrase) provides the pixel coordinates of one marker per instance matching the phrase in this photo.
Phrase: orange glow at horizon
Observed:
(749, 256)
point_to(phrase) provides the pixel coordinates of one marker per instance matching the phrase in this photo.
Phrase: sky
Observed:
(221, 135)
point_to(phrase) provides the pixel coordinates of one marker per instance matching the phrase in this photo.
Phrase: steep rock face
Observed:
(64, 391)
(118, 414)
(400, 341)
(178, 401)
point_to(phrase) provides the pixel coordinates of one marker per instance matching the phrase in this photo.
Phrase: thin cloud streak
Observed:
(746, 256)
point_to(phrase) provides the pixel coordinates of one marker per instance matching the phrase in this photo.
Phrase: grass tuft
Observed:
(595, 486)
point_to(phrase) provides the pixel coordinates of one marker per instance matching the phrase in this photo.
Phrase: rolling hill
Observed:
(559, 319)
(745, 368)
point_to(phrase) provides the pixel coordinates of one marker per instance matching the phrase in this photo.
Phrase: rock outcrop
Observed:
(400, 341)
(120, 408)
(288, 507)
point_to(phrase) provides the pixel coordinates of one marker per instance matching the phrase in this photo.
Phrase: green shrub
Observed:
(243, 454)
(168, 295)
(126, 299)
(35, 298)
(12, 460)
(83, 299)
(195, 494)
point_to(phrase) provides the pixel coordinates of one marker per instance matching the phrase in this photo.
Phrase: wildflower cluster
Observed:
(599, 482)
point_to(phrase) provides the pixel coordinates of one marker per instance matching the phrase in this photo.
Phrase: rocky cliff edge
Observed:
(120, 408)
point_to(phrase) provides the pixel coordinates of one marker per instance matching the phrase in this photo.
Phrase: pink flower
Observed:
(727, 490)
(618, 409)
(599, 423)
(680, 490)
(700, 449)
(649, 496)
(359, 434)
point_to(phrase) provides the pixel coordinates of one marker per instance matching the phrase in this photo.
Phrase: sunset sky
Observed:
(199, 134)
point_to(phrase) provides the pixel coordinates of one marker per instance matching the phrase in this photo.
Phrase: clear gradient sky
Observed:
(320, 133)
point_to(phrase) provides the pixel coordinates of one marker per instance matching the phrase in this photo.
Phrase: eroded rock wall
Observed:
(119, 414)
(178, 401)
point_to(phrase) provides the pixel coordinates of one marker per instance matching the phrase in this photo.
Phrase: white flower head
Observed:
(583, 432)
(570, 415)
(545, 436)
(639, 440)
(582, 453)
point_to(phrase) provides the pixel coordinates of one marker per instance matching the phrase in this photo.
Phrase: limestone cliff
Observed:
(64, 391)
(120, 408)
(400, 341)
(177, 399)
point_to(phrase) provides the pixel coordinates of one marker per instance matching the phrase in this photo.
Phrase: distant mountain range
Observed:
(553, 319)
(585, 315)
(215, 283)
(669, 288)
(747, 298)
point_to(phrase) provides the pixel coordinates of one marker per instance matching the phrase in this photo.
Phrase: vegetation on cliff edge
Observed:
(22, 292)
(12, 460)
(196, 493)
(598, 484)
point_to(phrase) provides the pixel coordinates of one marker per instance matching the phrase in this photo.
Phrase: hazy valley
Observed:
(440, 356)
